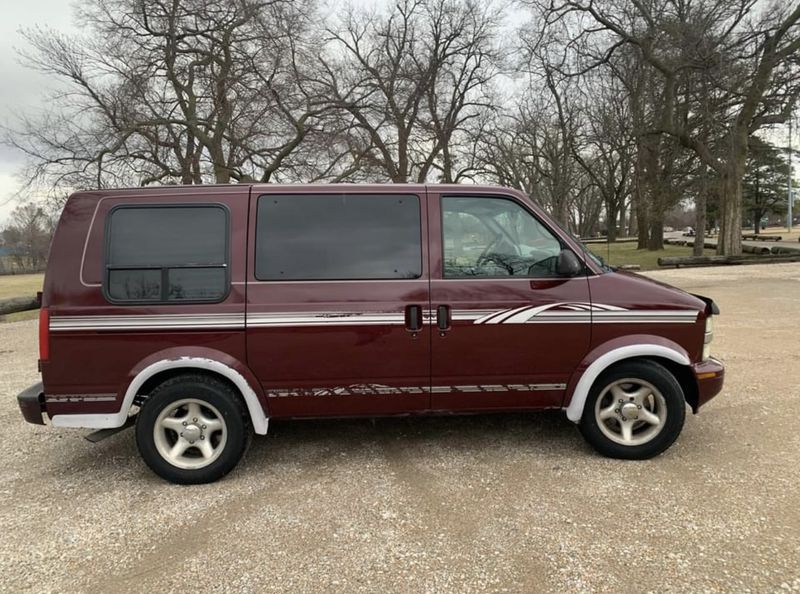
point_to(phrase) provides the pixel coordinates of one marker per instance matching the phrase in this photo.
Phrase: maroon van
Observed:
(200, 313)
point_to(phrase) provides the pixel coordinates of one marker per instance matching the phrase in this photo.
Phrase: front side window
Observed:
(495, 237)
(338, 237)
(167, 254)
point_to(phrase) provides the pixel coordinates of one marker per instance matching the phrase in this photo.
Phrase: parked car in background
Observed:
(200, 314)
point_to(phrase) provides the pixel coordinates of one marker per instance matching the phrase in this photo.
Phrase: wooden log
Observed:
(785, 250)
(683, 242)
(691, 261)
(755, 249)
(759, 237)
(589, 240)
(16, 304)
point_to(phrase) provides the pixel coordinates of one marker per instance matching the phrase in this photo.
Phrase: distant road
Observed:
(790, 242)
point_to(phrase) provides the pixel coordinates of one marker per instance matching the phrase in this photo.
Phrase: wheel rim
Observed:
(630, 411)
(190, 433)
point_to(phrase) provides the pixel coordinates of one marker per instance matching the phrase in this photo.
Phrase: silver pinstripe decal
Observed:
(53, 398)
(381, 390)
(555, 313)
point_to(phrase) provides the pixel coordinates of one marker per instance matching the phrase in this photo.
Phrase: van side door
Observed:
(337, 294)
(509, 331)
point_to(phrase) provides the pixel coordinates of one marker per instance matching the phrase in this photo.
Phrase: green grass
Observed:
(20, 285)
(626, 253)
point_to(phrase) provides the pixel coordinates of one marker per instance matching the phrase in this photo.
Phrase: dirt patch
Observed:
(462, 504)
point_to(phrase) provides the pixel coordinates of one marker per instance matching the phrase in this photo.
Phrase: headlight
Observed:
(708, 337)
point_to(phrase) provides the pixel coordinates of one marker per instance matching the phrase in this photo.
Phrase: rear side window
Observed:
(167, 254)
(338, 237)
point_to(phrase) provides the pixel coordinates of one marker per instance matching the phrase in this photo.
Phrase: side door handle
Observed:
(414, 318)
(443, 318)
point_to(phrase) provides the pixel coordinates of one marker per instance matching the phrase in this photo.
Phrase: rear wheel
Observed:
(192, 429)
(634, 411)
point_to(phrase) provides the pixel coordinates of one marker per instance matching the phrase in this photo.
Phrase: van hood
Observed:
(643, 290)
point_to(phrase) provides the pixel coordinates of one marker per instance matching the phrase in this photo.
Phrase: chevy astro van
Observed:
(200, 313)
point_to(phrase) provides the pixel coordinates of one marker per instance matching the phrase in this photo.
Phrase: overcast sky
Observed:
(21, 88)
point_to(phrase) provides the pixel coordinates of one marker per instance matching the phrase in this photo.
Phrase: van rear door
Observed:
(337, 297)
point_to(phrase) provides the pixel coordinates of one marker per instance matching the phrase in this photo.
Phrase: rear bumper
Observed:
(710, 376)
(31, 403)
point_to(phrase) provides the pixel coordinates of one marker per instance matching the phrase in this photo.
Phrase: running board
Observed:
(102, 434)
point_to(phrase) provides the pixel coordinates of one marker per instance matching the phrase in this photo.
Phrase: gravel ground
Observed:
(505, 503)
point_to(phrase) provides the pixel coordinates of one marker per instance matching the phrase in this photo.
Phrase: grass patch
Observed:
(626, 253)
(20, 316)
(20, 285)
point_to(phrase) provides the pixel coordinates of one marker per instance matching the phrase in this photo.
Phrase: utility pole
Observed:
(791, 198)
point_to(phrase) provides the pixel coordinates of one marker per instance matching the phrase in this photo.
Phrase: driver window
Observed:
(495, 237)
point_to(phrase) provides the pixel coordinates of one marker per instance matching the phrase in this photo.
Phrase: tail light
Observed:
(44, 334)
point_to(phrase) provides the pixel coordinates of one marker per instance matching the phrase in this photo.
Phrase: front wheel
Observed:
(634, 411)
(192, 429)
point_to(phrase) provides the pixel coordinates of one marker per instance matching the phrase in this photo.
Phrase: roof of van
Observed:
(266, 187)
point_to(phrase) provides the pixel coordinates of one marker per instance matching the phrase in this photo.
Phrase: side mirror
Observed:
(568, 263)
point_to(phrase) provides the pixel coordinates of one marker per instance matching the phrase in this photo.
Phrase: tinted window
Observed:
(495, 237)
(167, 254)
(338, 237)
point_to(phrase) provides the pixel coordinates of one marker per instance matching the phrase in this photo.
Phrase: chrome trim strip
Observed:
(148, 322)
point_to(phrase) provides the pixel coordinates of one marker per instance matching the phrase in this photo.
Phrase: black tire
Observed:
(671, 401)
(216, 400)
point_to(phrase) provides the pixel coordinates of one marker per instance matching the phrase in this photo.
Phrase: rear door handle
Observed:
(443, 318)
(414, 318)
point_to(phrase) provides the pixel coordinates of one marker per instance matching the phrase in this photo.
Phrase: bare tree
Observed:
(533, 147)
(609, 150)
(180, 91)
(753, 55)
(27, 237)
(408, 82)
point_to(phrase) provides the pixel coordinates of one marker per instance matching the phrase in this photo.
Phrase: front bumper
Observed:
(31, 403)
(710, 376)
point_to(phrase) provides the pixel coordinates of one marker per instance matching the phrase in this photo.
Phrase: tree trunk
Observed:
(643, 196)
(700, 207)
(222, 174)
(643, 225)
(611, 224)
(623, 230)
(447, 165)
(187, 177)
(656, 240)
(730, 208)
(561, 213)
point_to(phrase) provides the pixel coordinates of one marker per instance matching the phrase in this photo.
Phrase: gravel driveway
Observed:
(512, 503)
